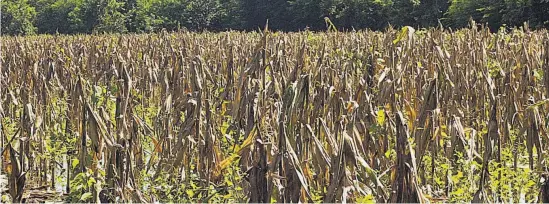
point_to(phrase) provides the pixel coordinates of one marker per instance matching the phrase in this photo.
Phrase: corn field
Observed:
(393, 116)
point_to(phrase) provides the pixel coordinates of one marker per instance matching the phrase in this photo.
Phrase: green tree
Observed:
(141, 17)
(53, 15)
(346, 14)
(101, 16)
(191, 14)
(539, 10)
(359, 14)
(230, 16)
(84, 16)
(495, 13)
(460, 11)
(17, 17)
(307, 13)
(516, 12)
(112, 19)
(255, 14)
(417, 13)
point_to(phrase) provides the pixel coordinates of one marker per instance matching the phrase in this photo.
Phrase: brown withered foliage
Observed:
(303, 117)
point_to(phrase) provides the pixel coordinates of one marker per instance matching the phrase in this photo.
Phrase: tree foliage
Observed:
(111, 18)
(118, 16)
(17, 17)
(495, 13)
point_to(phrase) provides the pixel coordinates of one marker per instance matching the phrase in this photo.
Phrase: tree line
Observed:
(26, 17)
